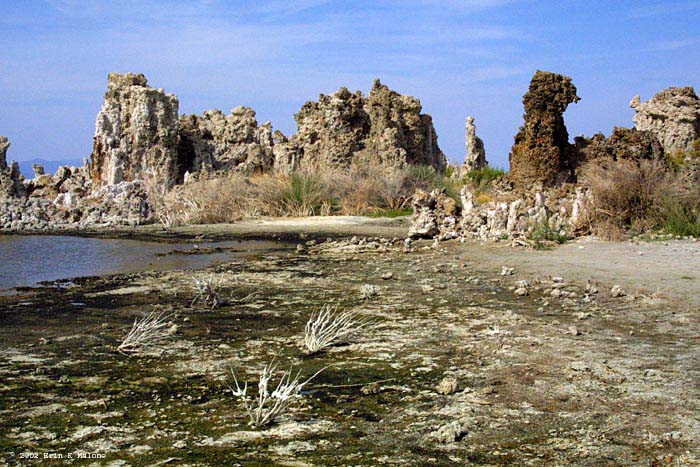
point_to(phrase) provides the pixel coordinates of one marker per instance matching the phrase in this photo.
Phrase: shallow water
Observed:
(26, 260)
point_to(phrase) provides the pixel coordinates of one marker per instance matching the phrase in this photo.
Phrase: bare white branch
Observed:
(267, 406)
(206, 291)
(146, 333)
(329, 326)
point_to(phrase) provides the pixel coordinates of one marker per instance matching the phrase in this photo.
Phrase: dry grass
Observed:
(631, 197)
(357, 190)
(146, 333)
(329, 326)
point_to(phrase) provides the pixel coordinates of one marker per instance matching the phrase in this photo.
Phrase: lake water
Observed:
(29, 259)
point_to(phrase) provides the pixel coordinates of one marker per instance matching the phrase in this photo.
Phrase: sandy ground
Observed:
(670, 269)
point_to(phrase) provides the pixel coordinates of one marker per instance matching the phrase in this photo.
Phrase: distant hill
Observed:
(50, 167)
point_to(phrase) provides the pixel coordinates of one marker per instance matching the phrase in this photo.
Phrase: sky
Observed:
(459, 57)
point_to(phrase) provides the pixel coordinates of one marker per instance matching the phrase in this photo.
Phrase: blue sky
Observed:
(468, 57)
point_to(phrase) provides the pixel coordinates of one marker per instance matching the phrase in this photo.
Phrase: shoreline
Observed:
(278, 228)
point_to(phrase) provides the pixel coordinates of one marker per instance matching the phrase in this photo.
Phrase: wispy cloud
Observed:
(676, 44)
(662, 9)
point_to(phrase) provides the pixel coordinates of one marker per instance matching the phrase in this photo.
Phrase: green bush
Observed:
(542, 234)
(678, 219)
(307, 195)
(481, 180)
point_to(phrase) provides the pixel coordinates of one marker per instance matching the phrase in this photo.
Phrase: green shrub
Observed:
(543, 235)
(681, 220)
(306, 194)
(481, 180)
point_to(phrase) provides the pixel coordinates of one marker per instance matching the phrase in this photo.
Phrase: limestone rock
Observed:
(38, 170)
(542, 153)
(344, 128)
(136, 135)
(448, 385)
(4, 146)
(454, 431)
(673, 116)
(476, 155)
(624, 143)
(434, 215)
(215, 141)
(11, 185)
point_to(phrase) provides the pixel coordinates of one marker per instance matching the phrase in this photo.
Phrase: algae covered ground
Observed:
(561, 373)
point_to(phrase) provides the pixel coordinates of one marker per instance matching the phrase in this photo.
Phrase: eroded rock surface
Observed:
(542, 153)
(673, 116)
(10, 178)
(344, 128)
(476, 155)
(136, 134)
(623, 144)
(215, 141)
(434, 215)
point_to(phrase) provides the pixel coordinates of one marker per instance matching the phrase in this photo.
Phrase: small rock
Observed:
(388, 275)
(574, 331)
(370, 389)
(453, 431)
(368, 291)
(617, 291)
(506, 271)
(448, 385)
(521, 292)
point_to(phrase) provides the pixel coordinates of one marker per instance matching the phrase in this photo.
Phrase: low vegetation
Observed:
(645, 196)
(543, 234)
(264, 409)
(480, 181)
(146, 333)
(379, 191)
(206, 291)
(329, 326)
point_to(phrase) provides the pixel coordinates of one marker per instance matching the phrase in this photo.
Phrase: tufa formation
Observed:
(136, 134)
(476, 155)
(345, 128)
(542, 153)
(672, 116)
(215, 141)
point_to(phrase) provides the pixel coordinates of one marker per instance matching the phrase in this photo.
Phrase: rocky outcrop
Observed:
(345, 128)
(623, 144)
(66, 200)
(558, 212)
(4, 146)
(434, 215)
(542, 153)
(125, 203)
(10, 178)
(476, 155)
(673, 116)
(215, 141)
(136, 135)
